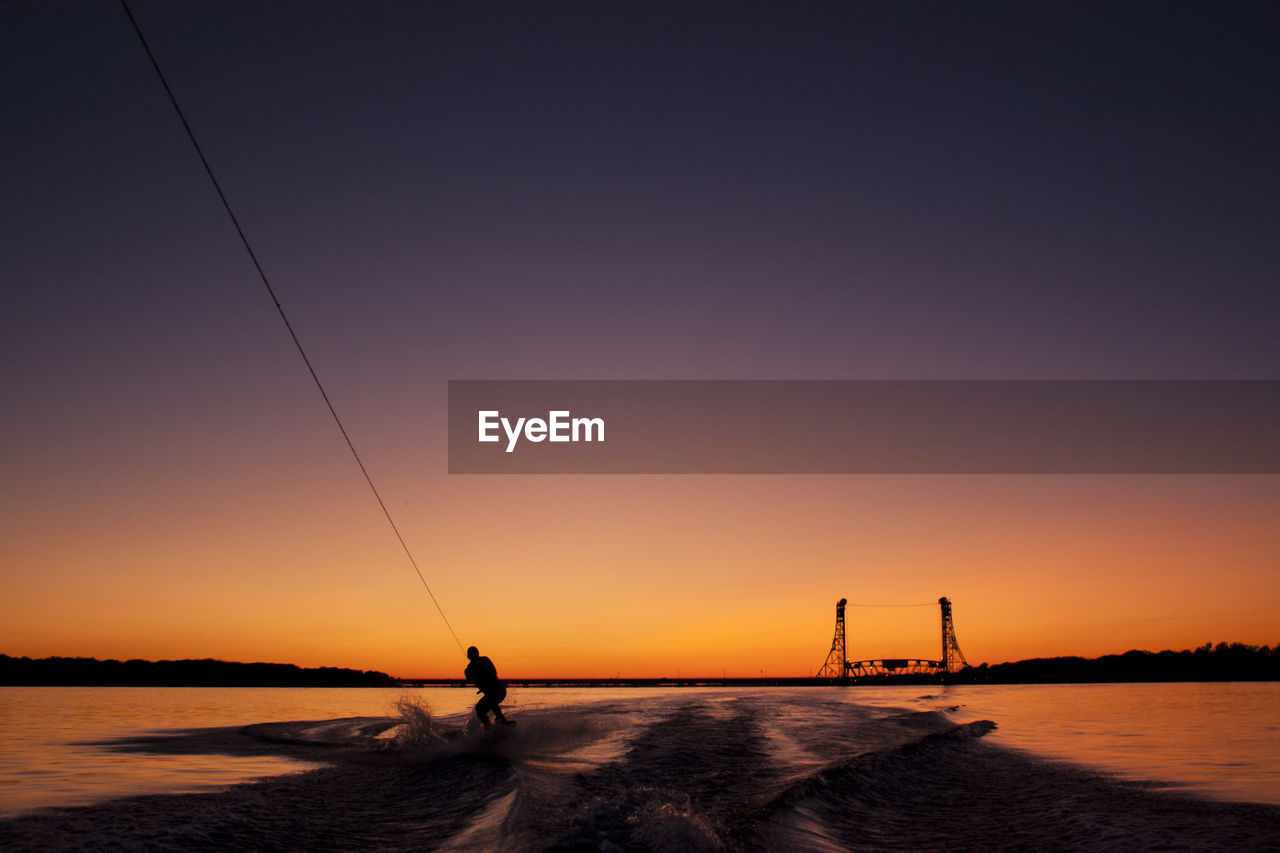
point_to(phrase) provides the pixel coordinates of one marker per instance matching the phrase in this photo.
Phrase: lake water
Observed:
(816, 755)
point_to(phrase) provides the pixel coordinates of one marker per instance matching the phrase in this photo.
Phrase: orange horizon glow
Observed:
(655, 576)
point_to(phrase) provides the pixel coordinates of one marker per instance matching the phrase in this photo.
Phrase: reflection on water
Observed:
(50, 756)
(1219, 740)
(1216, 739)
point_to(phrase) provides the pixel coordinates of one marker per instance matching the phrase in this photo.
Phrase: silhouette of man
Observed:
(482, 673)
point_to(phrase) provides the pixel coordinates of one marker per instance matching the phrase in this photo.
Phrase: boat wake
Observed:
(686, 772)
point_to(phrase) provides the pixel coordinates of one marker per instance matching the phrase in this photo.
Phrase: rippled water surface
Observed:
(648, 769)
(1220, 740)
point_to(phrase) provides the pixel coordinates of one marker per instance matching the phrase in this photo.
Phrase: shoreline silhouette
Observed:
(1207, 663)
(91, 672)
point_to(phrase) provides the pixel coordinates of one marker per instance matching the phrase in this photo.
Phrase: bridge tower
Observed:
(952, 657)
(837, 664)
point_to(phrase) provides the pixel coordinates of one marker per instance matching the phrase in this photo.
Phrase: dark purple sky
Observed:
(644, 190)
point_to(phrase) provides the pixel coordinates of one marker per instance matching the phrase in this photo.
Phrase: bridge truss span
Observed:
(895, 666)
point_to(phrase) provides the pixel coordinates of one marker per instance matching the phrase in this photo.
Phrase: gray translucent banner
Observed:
(864, 427)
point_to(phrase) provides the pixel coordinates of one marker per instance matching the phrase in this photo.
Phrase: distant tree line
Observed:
(1223, 662)
(91, 672)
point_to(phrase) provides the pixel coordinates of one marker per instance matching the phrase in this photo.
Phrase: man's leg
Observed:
(483, 708)
(498, 696)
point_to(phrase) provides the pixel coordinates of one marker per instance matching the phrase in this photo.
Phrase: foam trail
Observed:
(689, 771)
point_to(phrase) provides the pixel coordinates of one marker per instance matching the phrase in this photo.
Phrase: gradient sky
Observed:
(600, 190)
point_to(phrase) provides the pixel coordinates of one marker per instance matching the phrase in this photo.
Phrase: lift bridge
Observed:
(838, 667)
